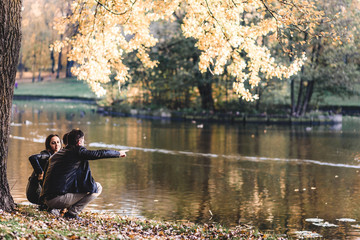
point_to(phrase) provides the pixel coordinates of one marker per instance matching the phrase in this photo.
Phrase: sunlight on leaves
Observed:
(229, 35)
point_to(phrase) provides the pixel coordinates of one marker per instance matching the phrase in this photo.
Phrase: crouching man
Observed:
(68, 182)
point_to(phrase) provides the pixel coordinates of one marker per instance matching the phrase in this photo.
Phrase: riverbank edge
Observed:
(27, 222)
(55, 98)
(202, 116)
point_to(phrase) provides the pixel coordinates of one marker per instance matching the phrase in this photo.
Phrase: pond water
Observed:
(269, 176)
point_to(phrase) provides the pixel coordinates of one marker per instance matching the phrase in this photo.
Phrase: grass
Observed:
(71, 87)
(67, 87)
(26, 222)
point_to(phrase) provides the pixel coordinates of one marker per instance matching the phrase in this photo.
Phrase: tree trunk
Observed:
(59, 68)
(292, 83)
(259, 92)
(300, 94)
(292, 93)
(10, 42)
(301, 86)
(310, 86)
(309, 92)
(39, 76)
(205, 89)
(207, 101)
(33, 67)
(69, 65)
(21, 67)
(52, 57)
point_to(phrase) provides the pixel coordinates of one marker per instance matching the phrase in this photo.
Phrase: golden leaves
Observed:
(224, 31)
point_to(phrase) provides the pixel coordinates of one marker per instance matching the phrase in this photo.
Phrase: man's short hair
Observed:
(65, 138)
(74, 136)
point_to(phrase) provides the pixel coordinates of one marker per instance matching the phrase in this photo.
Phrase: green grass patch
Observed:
(67, 87)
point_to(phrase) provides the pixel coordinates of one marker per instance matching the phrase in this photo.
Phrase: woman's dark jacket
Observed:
(69, 171)
(38, 161)
(39, 164)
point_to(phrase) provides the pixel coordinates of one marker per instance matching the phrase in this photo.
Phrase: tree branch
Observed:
(212, 15)
(113, 12)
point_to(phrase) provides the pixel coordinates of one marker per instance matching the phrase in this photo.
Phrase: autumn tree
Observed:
(109, 29)
(331, 67)
(176, 80)
(10, 40)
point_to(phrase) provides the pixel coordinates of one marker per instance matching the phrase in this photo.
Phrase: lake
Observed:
(274, 177)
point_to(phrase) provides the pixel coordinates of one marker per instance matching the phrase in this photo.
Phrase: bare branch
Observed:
(213, 16)
(113, 12)
(272, 13)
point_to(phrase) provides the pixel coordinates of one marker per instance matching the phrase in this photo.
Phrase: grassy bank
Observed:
(29, 223)
(74, 89)
(67, 87)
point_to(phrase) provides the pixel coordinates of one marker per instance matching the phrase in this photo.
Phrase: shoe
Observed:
(42, 207)
(53, 211)
(72, 216)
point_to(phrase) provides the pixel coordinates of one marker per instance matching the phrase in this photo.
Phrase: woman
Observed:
(39, 163)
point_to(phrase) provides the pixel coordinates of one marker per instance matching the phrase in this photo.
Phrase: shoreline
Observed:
(201, 116)
(59, 98)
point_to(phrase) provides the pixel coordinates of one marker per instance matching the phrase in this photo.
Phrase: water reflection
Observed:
(271, 176)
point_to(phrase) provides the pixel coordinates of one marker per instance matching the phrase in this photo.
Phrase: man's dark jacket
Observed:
(69, 171)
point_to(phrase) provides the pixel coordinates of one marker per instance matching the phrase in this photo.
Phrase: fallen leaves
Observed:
(26, 222)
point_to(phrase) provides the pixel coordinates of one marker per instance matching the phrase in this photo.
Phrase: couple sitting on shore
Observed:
(62, 177)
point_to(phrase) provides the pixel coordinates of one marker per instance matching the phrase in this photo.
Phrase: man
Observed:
(68, 182)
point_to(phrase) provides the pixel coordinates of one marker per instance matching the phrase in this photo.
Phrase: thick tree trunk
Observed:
(10, 41)
(307, 99)
(310, 84)
(207, 101)
(205, 89)
(69, 65)
(301, 87)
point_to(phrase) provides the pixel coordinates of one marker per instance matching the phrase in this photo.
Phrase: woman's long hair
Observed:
(47, 142)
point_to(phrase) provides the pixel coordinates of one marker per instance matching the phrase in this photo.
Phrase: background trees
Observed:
(332, 66)
(235, 43)
(157, 59)
(36, 56)
(166, 68)
(107, 30)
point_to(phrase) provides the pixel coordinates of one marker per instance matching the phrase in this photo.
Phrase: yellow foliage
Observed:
(224, 30)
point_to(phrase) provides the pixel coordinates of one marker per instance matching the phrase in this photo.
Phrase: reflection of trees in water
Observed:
(269, 192)
(204, 145)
